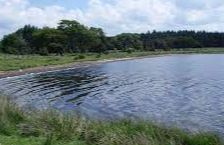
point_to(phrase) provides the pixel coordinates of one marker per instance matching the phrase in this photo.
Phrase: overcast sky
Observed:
(115, 16)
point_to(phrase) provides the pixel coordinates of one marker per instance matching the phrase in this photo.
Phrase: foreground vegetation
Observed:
(17, 62)
(52, 128)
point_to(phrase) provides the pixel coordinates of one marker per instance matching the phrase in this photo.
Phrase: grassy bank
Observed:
(51, 128)
(16, 62)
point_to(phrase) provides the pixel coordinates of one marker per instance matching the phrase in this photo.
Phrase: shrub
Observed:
(98, 55)
(43, 51)
(129, 50)
(79, 57)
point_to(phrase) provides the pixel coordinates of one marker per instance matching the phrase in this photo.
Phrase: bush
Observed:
(98, 55)
(44, 52)
(79, 57)
(106, 52)
(129, 50)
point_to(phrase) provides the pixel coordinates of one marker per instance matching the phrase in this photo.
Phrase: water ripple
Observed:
(185, 90)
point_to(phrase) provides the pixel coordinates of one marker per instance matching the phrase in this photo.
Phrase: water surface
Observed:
(182, 90)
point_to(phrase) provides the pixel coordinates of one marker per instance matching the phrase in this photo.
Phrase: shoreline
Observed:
(85, 63)
(43, 69)
(52, 127)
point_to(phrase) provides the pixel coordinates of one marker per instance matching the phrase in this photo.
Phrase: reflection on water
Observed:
(185, 90)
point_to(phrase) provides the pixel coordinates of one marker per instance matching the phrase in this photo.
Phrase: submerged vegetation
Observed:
(53, 128)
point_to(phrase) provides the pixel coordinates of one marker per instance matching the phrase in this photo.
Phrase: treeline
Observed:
(71, 36)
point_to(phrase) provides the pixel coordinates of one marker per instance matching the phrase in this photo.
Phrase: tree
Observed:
(27, 34)
(14, 44)
(1, 47)
(73, 30)
(57, 48)
(183, 42)
(81, 38)
(45, 37)
(128, 40)
(71, 36)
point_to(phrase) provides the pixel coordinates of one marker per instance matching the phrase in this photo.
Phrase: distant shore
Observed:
(15, 65)
(42, 69)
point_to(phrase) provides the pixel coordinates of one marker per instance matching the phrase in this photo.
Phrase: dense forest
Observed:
(71, 36)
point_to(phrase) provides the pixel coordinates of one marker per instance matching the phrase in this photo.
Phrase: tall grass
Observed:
(54, 128)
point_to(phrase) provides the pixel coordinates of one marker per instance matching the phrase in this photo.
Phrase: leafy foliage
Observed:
(71, 36)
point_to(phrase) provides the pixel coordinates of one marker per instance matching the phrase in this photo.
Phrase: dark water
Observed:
(182, 90)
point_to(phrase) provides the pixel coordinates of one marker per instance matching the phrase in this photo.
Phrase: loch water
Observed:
(181, 90)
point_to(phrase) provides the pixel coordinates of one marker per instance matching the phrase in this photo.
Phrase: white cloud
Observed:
(17, 13)
(117, 16)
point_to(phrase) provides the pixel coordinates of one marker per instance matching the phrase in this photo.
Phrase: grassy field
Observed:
(52, 128)
(16, 62)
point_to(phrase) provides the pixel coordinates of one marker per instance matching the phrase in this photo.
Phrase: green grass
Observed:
(16, 62)
(53, 128)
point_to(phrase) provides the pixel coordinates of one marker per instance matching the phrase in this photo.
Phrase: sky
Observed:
(115, 16)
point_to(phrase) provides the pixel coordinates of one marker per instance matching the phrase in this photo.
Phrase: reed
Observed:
(54, 128)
